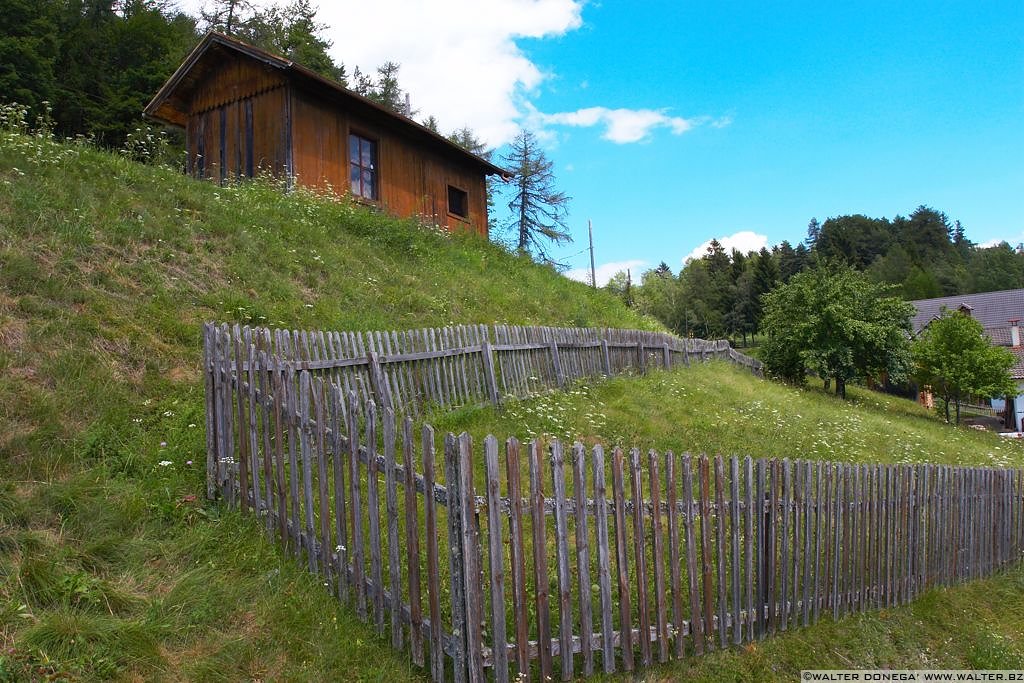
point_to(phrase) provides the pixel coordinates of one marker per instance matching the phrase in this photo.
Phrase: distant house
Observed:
(245, 110)
(1000, 314)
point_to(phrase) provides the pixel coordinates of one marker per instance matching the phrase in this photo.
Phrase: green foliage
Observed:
(384, 88)
(113, 58)
(838, 324)
(108, 268)
(924, 255)
(953, 356)
(291, 31)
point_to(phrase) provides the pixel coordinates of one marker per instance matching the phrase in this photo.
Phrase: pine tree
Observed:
(538, 210)
(225, 16)
(384, 89)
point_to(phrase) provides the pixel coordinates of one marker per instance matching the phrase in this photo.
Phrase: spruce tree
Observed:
(539, 210)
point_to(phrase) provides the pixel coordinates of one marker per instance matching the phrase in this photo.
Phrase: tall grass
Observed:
(113, 566)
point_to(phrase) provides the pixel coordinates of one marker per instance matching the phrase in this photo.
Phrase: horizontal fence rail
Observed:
(546, 559)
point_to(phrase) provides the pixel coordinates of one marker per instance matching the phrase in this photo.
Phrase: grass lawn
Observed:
(114, 567)
(715, 408)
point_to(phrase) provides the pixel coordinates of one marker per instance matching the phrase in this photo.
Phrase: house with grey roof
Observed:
(1000, 314)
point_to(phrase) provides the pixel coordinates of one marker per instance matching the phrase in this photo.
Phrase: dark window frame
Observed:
(462, 202)
(359, 139)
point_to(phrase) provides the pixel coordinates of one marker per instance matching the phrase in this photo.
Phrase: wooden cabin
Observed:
(246, 111)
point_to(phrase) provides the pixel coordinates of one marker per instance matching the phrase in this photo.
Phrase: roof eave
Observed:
(151, 111)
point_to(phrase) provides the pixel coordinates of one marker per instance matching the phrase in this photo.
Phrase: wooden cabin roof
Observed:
(170, 104)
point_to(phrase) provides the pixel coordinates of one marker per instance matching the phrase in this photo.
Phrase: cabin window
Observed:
(362, 156)
(458, 202)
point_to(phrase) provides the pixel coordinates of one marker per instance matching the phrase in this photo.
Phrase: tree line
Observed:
(923, 255)
(90, 66)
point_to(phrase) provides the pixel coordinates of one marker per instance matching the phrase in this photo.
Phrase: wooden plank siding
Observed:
(412, 180)
(246, 111)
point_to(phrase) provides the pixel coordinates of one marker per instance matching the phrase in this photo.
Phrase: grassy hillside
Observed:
(109, 563)
(112, 566)
(716, 408)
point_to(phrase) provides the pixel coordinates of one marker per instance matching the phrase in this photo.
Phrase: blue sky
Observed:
(670, 123)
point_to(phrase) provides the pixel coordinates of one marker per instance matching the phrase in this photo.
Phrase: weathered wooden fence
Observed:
(461, 365)
(551, 559)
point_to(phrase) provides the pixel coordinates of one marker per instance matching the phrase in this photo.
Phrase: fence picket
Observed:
(625, 609)
(675, 573)
(704, 477)
(603, 560)
(516, 557)
(734, 560)
(540, 561)
(658, 559)
(497, 560)
(412, 536)
(562, 559)
(579, 487)
(373, 539)
(471, 561)
(355, 499)
(433, 562)
(640, 556)
(391, 508)
(457, 587)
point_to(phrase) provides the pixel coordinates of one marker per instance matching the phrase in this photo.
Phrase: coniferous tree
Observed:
(384, 89)
(539, 210)
(292, 31)
(225, 16)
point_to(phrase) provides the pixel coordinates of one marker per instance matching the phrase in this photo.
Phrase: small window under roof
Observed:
(458, 202)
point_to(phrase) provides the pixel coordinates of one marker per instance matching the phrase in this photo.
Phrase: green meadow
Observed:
(113, 566)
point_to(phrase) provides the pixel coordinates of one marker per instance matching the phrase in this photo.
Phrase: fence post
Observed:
(667, 356)
(553, 345)
(492, 382)
(640, 358)
(606, 358)
(209, 370)
(378, 382)
(471, 561)
(452, 479)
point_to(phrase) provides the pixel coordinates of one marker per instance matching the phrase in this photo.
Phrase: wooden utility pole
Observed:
(593, 274)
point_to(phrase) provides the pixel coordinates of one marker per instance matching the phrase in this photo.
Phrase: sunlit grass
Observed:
(718, 409)
(113, 566)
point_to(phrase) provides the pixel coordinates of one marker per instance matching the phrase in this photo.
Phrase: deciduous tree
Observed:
(837, 323)
(953, 356)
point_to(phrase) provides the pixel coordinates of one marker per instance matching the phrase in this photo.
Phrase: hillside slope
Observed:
(109, 561)
(112, 566)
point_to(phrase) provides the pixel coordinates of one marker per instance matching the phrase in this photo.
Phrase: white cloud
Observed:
(996, 241)
(605, 271)
(743, 241)
(461, 63)
(459, 58)
(623, 126)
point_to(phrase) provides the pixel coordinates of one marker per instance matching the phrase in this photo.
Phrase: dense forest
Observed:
(922, 255)
(88, 67)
